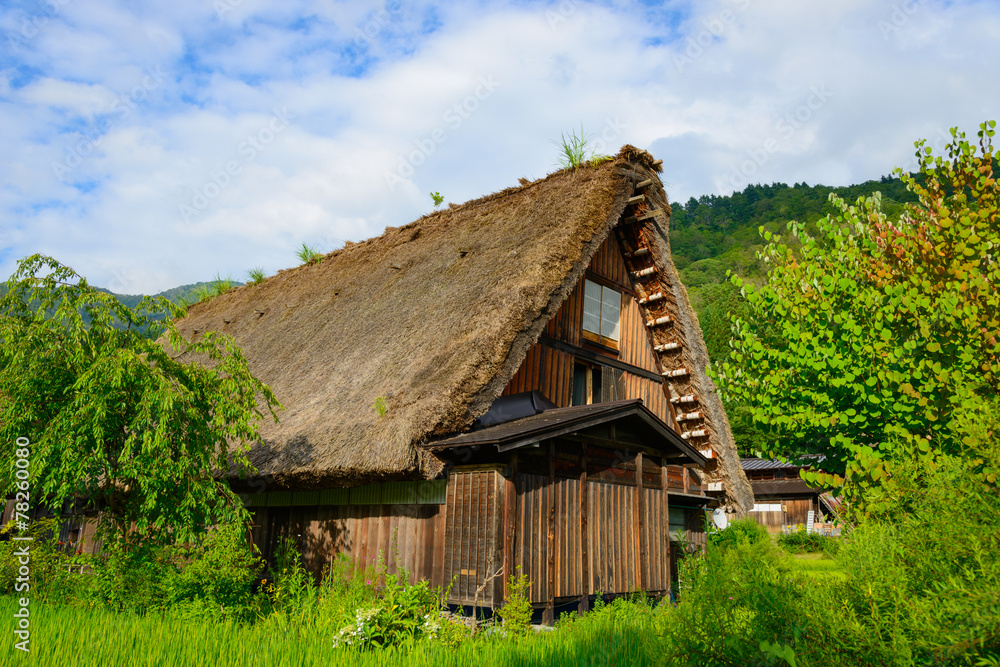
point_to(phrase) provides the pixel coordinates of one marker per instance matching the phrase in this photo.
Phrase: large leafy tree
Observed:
(868, 341)
(116, 419)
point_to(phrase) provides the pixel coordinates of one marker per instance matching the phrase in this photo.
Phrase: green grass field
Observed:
(71, 637)
(816, 567)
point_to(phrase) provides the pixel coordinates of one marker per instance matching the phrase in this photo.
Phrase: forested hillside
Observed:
(711, 235)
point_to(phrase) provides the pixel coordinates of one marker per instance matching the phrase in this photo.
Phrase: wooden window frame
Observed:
(596, 337)
(588, 381)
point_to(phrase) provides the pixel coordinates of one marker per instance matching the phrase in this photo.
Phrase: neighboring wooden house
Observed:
(518, 381)
(782, 499)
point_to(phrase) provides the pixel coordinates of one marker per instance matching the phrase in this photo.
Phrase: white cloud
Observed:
(461, 99)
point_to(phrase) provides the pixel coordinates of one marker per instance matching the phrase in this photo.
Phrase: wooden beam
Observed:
(665, 525)
(509, 508)
(584, 604)
(548, 615)
(640, 506)
(617, 444)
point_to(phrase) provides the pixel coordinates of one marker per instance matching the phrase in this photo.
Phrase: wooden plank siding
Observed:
(608, 531)
(550, 371)
(635, 347)
(656, 568)
(473, 563)
(612, 536)
(795, 511)
(566, 324)
(609, 264)
(547, 370)
(569, 539)
(531, 530)
(401, 536)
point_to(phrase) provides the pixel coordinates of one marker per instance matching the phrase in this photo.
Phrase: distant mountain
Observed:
(179, 295)
(182, 295)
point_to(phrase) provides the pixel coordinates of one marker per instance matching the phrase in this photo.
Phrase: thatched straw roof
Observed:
(431, 320)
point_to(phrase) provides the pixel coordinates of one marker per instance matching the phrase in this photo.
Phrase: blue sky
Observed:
(160, 144)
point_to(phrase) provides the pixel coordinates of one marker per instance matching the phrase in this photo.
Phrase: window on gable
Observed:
(601, 313)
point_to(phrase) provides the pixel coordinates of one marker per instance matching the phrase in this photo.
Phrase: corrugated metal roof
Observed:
(776, 487)
(833, 504)
(772, 464)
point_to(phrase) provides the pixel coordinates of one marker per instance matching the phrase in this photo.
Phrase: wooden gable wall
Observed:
(548, 366)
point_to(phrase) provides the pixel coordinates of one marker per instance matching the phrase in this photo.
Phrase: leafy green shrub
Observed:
(211, 578)
(516, 610)
(53, 573)
(129, 576)
(740, 531)
(215, 577)
(924, 577)
(290, 588)
(801, 541)
(404, 614)
(343, 589)
(732, 600)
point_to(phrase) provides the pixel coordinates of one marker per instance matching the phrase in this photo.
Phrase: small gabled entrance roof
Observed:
(565, 421)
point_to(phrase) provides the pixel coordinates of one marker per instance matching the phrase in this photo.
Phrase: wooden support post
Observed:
(665, 526)
(508, 531)
(548, 615)
(513, 557)
(497, 567)
(584, 605)
(640, 512)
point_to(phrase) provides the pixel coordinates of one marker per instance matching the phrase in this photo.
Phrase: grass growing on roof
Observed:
(574, 150)
(308, 254)
(256, 275)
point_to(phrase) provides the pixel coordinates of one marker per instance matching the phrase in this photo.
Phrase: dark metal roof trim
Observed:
(563, 421)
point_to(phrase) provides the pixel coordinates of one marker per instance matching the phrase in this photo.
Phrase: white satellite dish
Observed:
(719, 518)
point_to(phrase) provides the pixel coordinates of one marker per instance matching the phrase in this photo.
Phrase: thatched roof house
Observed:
(518, 381)
(432, 320)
